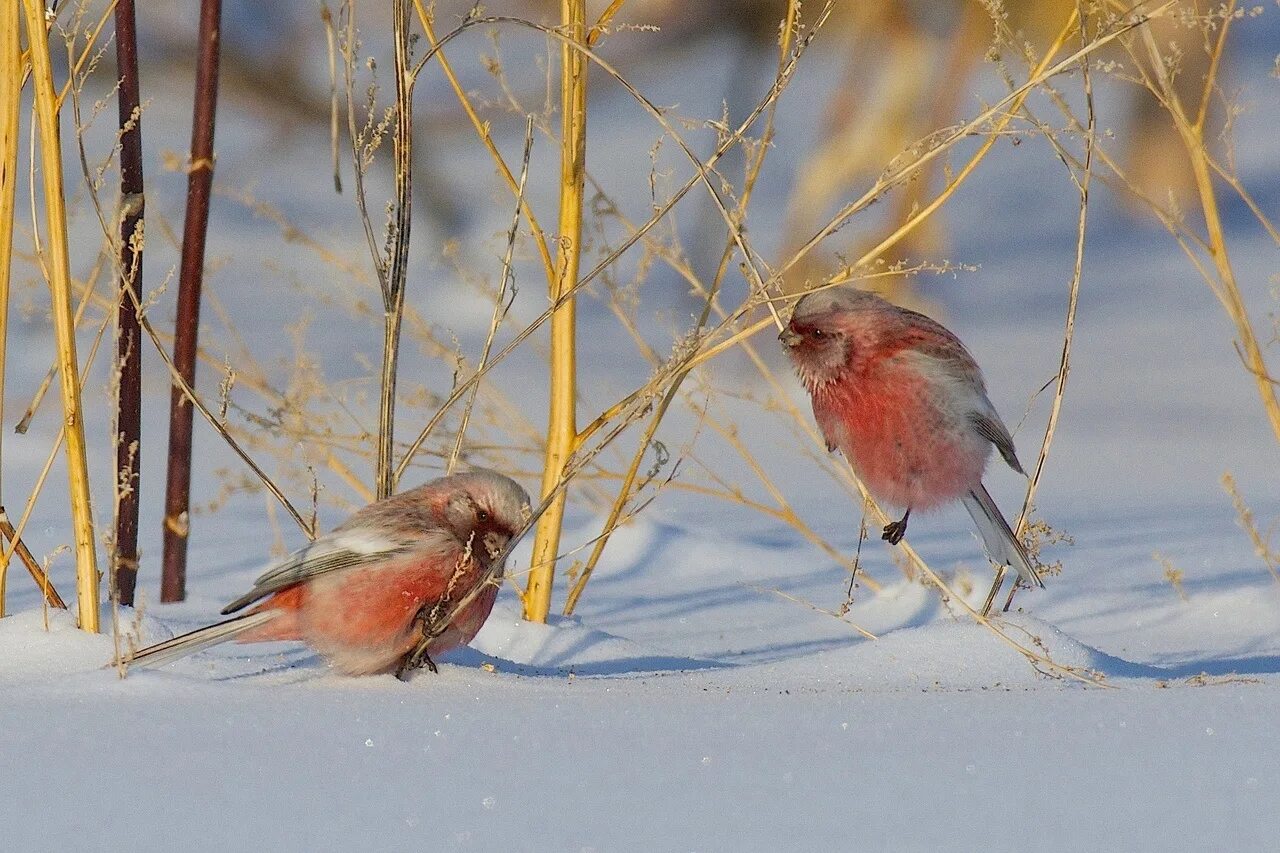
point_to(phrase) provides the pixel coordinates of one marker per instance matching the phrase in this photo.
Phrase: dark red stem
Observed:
(177, 501)
(128, 341)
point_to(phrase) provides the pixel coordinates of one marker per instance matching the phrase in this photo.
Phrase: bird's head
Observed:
(825, 333)
(487, 509)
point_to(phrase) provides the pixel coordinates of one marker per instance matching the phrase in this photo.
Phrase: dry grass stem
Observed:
(482, 132)
(795, 599)
(15, 540)
(624, 493)
(28, 559)
(330, 40)
(10, 104)
(1261, 544)
(562, 432)
(190, 395)
(396, 263)
(1172, 574)
(1073, 300)
(901, 173)
(502, 301)
(59, 269)
(1192, 133)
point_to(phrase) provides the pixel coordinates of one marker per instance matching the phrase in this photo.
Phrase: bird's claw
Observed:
(419, 656)
(415, 660)
(894, 531)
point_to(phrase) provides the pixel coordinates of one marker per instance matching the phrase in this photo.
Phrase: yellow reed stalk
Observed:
(482, 131)
(562, 433)
(14, 533)
(902, 173)
(1068, 334)
(624, 493)
(1193, 140)
(602, 22)
(59, 269)
(10, 96)
(960, 177)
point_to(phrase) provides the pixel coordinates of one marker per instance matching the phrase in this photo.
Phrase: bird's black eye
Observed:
(482, 515)
(818, 333)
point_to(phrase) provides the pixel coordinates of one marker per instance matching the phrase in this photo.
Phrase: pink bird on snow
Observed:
(904, 401)
(366, 594)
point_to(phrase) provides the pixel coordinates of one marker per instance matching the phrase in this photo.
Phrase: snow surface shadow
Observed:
(1071, 651)
(609, 668)
(1114, 667)
(780, 652)
(294, 666)
(1255, 665)
(300, 666)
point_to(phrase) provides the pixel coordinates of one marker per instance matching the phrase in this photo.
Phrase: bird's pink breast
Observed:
(363, 620)
(906, 447)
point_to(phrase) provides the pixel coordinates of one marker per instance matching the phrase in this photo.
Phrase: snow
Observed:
(704, 697)
(683, 710)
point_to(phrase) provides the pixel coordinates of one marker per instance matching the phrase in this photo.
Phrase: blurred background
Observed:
(1158, 405)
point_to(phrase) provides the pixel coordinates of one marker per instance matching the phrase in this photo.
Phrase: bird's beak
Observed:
(789, 339)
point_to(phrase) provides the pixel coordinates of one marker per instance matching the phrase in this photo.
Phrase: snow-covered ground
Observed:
(698, 700)
(688, 709)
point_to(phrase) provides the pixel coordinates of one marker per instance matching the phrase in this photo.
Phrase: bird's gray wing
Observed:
(341, 549)
(989, 426)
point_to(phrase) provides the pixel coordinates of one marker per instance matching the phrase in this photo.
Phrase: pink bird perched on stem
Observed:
(904, 401)
(408, 577)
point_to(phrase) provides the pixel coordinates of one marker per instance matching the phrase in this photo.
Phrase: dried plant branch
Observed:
(359, 141)
(394, 282)
(702, 172)
(1260, 545)
(194, 400)
(482, 131)
(10, 103)
(86, 54)
(601, 25)
(954, 183)
(87, 297)
(330, 40)
(1192, 133)
(502, 301)
(795, 599)
(52, 456)
(1068, 335)
(901, 173)
(38, 574)
(59, 270)
(753, 171)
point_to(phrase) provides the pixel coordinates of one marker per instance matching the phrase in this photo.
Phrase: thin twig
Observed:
(502, 302)
(393, 284)
(1068, 335)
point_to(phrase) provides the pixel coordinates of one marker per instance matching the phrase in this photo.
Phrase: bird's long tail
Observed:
(998, 540)
(201, 638)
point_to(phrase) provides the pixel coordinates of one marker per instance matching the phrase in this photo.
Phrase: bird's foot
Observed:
(416, 659)
(419, 656)
(895, 530)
